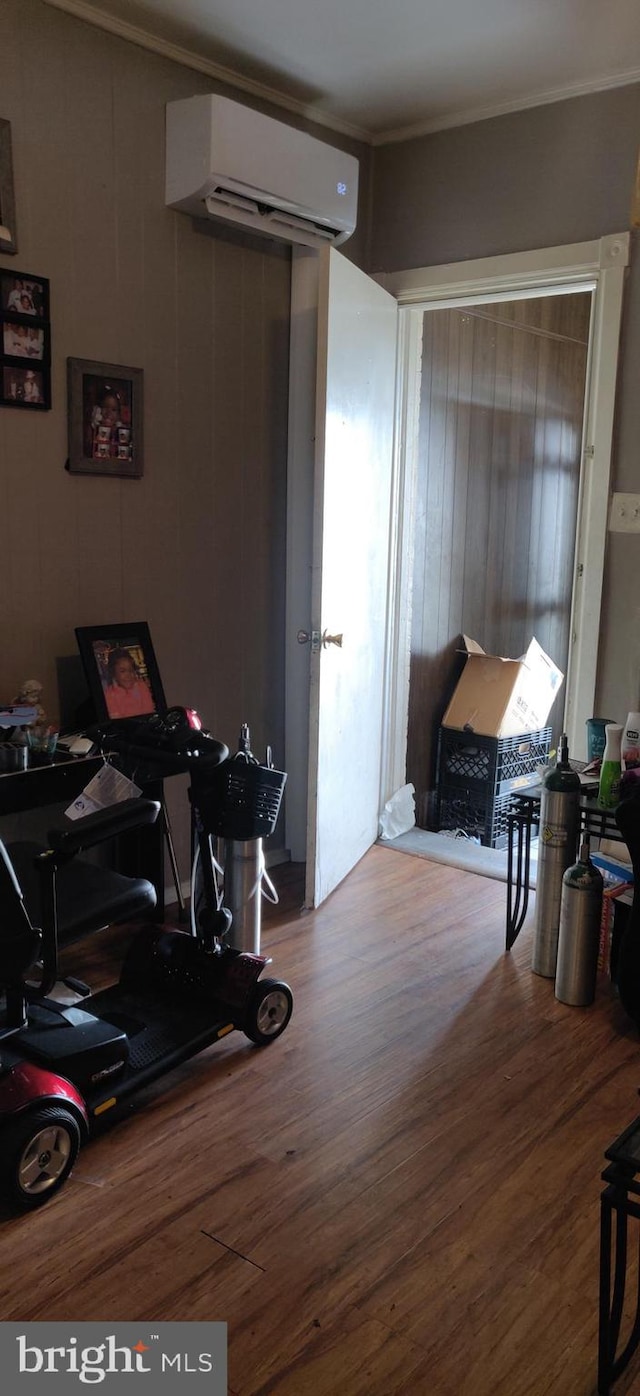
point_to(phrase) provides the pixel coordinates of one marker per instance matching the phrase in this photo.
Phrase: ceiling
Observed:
(385, 69)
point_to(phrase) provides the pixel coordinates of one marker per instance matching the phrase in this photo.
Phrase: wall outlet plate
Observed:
(624, 515)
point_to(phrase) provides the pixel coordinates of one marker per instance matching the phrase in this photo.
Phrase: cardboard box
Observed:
(613, 869)
(503, 697)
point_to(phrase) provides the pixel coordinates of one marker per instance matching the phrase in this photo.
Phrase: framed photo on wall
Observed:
(25, 341)
(8, 237)
(104, 418)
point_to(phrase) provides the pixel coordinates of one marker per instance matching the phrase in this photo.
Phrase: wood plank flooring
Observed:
(399, 1196)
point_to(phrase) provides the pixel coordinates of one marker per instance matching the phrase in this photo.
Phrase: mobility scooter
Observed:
(67, 1067)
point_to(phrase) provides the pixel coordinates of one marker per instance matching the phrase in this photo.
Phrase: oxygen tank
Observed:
(558, 841)
(579, 936)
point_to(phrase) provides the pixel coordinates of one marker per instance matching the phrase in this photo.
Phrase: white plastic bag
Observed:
(399, 813)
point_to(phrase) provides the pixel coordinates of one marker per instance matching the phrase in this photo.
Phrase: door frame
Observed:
(303, 353)
(598, 267)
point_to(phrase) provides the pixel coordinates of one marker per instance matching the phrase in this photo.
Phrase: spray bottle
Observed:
(559, 828)
(630, 746)
(611, 768)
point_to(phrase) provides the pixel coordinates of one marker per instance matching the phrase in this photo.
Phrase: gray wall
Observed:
(555, 174)
(197, 546)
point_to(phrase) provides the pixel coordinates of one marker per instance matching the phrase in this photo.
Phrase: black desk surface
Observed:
(61, 779)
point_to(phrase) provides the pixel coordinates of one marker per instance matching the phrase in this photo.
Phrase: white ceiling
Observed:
(381, 69)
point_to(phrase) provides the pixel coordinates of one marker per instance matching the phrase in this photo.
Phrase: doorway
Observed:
(597, 268)
(497, 489)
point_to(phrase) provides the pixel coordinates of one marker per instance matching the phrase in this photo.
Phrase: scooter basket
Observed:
(243, 801)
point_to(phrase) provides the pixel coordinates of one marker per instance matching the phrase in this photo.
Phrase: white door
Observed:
(338, 563)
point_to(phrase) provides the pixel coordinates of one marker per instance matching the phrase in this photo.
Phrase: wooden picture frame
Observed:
(8, 236)
(25, 341)
(104, 419)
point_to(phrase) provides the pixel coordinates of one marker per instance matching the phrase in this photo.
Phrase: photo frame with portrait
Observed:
(25, 341)
(121, 670)
(8, 235)
(105, 419)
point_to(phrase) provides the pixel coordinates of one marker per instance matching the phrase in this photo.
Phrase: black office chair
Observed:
(51, 889)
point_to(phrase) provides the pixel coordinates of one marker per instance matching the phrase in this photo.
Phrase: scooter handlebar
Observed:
(197, 751)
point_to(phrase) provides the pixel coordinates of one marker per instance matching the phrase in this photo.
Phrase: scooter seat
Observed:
(88, 896)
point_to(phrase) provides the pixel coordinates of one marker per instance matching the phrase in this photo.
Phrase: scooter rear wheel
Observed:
(38, 1153)
(268, 1011)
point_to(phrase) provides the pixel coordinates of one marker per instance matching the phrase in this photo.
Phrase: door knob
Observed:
(318, 640)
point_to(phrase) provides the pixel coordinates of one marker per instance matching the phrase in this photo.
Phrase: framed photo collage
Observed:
(25, 346)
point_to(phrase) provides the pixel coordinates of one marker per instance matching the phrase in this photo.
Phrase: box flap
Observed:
(471, 646)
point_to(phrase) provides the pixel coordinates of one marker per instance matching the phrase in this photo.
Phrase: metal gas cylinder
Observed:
(579, 935)
(558, 842)
(243, 864)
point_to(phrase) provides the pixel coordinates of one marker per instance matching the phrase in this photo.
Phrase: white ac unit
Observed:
(229, 162)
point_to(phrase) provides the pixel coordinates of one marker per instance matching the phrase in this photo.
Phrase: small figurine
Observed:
(30, 695)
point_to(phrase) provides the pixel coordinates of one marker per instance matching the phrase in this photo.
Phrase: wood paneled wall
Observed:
(543, 177)
(499, 459)
(197, 546)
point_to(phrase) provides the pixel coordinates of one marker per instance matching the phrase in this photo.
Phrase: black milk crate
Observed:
(499, 764)
(477, 776)
(481, 816)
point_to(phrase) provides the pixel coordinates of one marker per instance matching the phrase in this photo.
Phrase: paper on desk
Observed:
(106, 788)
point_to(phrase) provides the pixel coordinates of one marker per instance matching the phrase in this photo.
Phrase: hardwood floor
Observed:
(399, 1196)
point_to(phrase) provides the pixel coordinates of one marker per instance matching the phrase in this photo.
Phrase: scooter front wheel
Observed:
(268, 1011)
(38, 1152)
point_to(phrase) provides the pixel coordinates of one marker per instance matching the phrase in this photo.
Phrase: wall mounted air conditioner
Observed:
(228, 162)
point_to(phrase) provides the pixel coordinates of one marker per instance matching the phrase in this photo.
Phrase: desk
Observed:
(61, 781)
(523, 817)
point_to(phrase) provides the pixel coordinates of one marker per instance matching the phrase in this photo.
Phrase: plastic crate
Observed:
(498, 764)
(480, 815)
(477, 776)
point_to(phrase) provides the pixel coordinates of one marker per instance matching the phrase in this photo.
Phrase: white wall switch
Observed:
(624, 516)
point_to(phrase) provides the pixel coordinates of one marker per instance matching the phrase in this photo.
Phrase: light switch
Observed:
(624, 516)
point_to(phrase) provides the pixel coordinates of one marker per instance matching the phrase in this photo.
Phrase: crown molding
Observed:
(468, 118)
(133, 34)
(122, 29)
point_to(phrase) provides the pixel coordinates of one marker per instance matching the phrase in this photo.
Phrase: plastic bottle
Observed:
(596, 736)
(630, 744)
(579, 936)
(611, 768)
(559, 828)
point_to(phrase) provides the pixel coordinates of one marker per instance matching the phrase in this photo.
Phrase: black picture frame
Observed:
(25, 341)
(8, 235)
(105, 419)
(98, 644)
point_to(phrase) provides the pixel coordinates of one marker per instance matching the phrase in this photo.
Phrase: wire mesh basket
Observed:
(242, 800)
